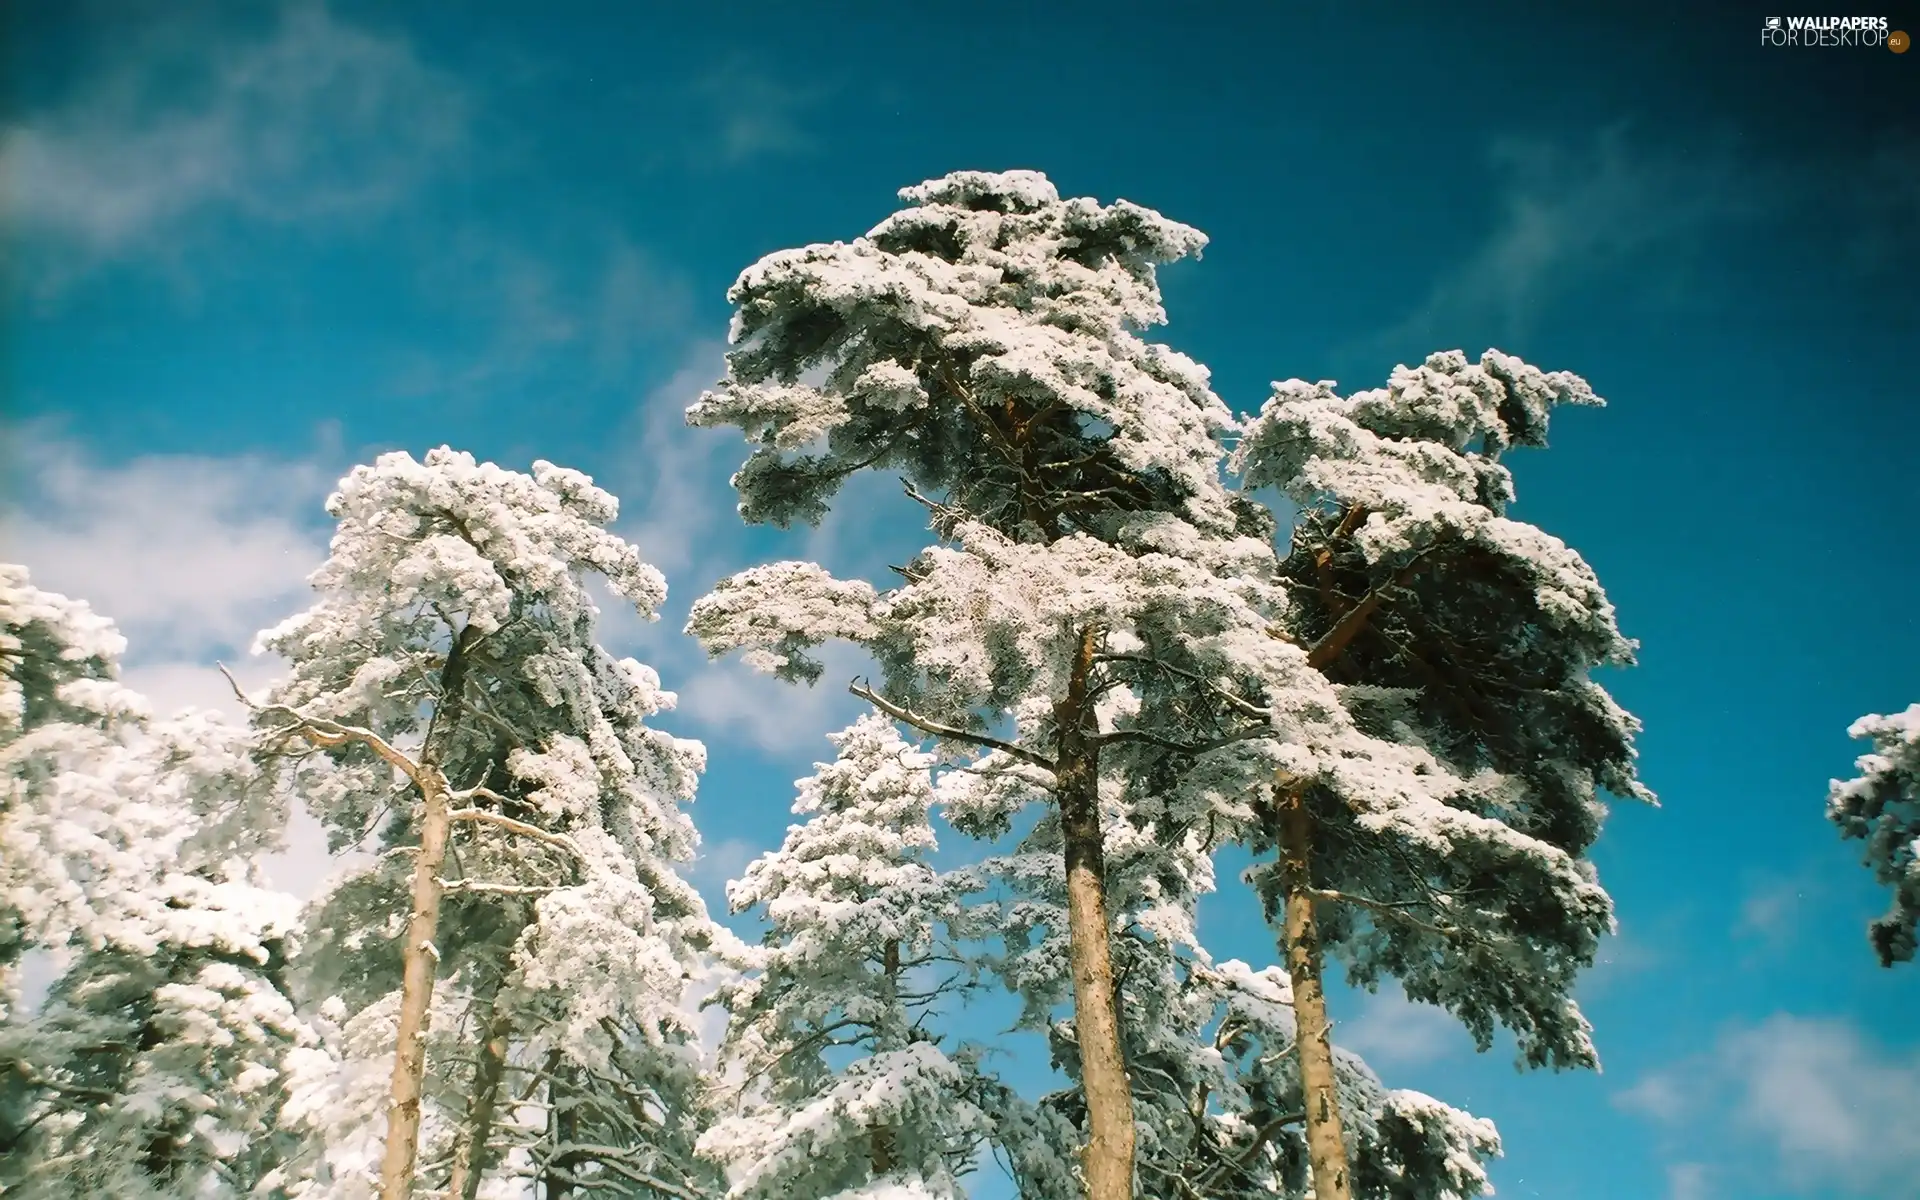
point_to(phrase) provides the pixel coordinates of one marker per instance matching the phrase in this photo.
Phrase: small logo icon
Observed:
(1898, 41)
(1773, 25)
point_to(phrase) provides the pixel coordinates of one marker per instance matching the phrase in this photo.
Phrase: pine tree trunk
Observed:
(884, 1151)
(566, 1128)
(420, 958)
(470, 1156)
(416, 995)
(1103, 1066)
(1326, 1141)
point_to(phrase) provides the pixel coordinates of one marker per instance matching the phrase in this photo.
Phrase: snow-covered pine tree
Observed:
(158, 1061)
(513, 963)
(1881, 807)
(842, 1089)
(1466, 640)
(62, 709)
(984, 344)
(1217, 1089)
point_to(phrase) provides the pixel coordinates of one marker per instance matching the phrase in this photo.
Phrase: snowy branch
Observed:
(952, 733)
(1393, 912)
(1237, 702)
(1193, 748)
(497, 889)
(325, 733)
(488, 817)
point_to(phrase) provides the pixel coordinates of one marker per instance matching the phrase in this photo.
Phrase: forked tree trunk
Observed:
(1326, 1140)
(420, 959)
(1103, 1066)
(470, 1156)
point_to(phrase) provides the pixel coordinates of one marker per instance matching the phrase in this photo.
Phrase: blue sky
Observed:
(251, 245)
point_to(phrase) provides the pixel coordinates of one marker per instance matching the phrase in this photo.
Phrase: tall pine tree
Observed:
(1461, 645)
(984, 344)
(513, 961)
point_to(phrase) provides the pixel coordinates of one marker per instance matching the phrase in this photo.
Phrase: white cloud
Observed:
(719, 863)
(1834, 1105)
(172, 686)
(730, 702)
(191, 555)
(578, 305)
(317, 119)
(1831, 1109)
(755, 113)
(1610, 208)
(1392, 1029)
(1687, 1181)
(1662, 1095)
(1773, 907)
(676, 503)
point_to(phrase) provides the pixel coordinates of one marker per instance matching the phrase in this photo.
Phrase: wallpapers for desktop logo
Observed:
(1872, 32)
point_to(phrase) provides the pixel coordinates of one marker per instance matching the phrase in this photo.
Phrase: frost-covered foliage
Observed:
(158, 1062)
(454, 625)
(983, 343)
(62, 710)
(1217, 1088)
(1881, 807)
(1480, 632)
(1461, 644)
(841, 1089)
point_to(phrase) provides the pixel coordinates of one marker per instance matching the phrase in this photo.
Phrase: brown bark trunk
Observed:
(470, 1156)
(1326, 1140)
(1103, 1067)
(566, 1128)
(419, 961)
(884, 1151)
(416, 996)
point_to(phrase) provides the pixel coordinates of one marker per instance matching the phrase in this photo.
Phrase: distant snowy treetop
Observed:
(449, 528)
(1881, 807)
(59, 659)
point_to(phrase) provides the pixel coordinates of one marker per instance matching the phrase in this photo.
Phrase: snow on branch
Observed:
(325, 733)
(952, 733)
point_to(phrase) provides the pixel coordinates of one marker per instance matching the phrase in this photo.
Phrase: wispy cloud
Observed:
(780, 720)
(676, 502)
(679, 507)
(1688, 1181)
(315, 120)
(1393, 1030)
(1618, 207)
(189, 554)
(586, 301)
(1830, 1108)
(754, 112)
(1774, 910)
